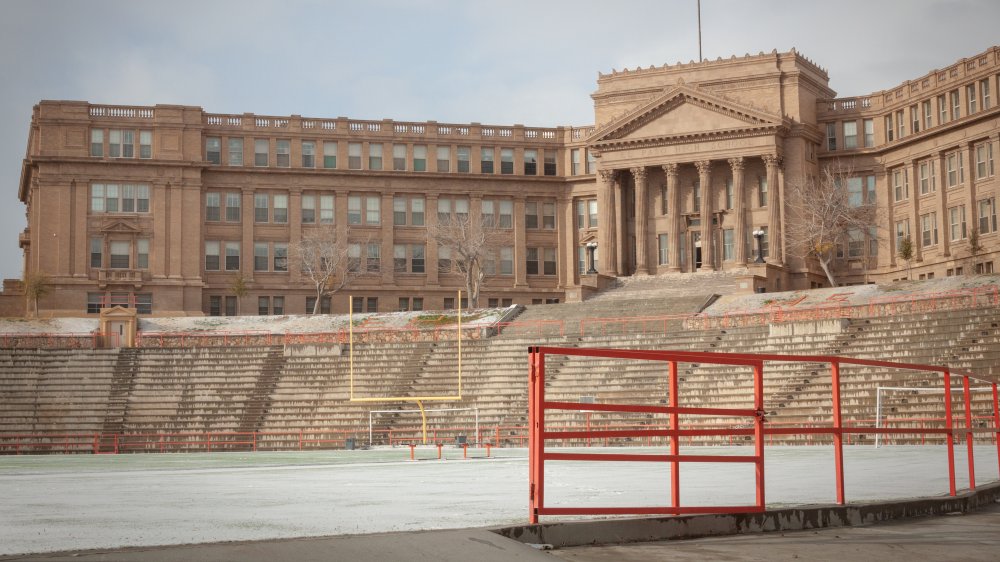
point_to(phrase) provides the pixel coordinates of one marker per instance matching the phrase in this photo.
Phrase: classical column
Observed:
(739, 208)
(606, 223)
(705, 183)
(773, 162)
(641, 212)
(673, 217)
(618, 212)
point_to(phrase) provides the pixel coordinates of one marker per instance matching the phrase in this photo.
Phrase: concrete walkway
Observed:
(972, 536)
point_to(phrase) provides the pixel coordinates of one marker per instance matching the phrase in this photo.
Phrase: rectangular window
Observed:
(506, 213)
(308, 209)
(850, 135)
(354, 209)
(324, 305)
(128, 198)
(549, 162)
(581, 261)
(854, 192)
(942, 109)
(592, 207)
(230, 306)
(957, 222)
(357, 304)
(549, 215)
(462, 209)
(531, 214)
(506, 160)
(232, 256)
(549, 261)
(902, 231)
(399, 157)
(870, 197)
(354, 155)
(928, 183)
(326, 203)
(142, 198)
(869, 125)
(261, 152)
(914, 119)
(855, 243)
(97, 198)
(399, 258)
(888, 128)
(444, 210)
(928, 114)
(984, 91)
(235, 152)
(900, 124)
(506, 260)
(212, 207)
(280, 256)
(263, 306)
(374, 257)
(663, 249)
(144, 303)
(329, 155)
(591, 163)
(765, 245)
(260, 256)
(728, 241)
(463, 155)
(831, 136)
(373, 209)
(530, 162)
(486, 160)
(280, 213)
(444, 259)
(762, 191)
(128, 144)
(97, 142)
(121, 251)
(531, 261)
(115, 143)
(899, 185)
(581, 214)
(729, 193)
(213, 150)
(488, 213)
(399, 211)
(417, 211)
(211, 256)
(928, 229)
(987, 216)
(984, 160)
(374, 156)
(444, 158)
(956, 107)
(284, 153)
(970, 97)
(142, 253)
(354, 257)
(232, 207)
(145, 144)
(260, 207)
(574, 164)
(96, 253)
(417, 261)
(420, 158)
(308, 154)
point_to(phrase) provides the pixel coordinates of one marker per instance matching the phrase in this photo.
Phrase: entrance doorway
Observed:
(696, 247)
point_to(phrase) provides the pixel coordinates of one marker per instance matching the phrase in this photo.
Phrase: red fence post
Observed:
(758, 429)
(536, 421)
(996, 422)
(948, 423)
(968, 431)
(675, 467)
(838, 426)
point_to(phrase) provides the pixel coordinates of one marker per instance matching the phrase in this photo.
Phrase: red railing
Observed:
(539, 433)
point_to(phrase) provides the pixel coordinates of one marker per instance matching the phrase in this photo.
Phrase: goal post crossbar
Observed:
(423, 416)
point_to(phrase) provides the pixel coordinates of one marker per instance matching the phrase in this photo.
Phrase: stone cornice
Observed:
(667, 140)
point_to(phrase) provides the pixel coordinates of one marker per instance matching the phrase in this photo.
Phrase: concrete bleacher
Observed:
(298, 396)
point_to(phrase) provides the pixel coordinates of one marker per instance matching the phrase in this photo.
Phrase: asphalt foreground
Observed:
(955, 537)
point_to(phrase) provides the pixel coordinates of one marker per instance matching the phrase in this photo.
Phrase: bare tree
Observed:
(473, 246)
(324, 260)
(975, 248)
(825, 215)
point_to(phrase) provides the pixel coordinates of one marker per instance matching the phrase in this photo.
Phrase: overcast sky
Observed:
(529, 62)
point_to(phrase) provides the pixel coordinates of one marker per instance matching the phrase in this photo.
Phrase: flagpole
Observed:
(699, 32)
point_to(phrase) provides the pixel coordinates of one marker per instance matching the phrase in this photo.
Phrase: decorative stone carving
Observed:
(704, 166)
(608, 176)
(736, 164)
(670, 169)
(639, 174)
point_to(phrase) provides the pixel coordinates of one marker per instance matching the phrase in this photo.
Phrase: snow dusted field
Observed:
(79, 501)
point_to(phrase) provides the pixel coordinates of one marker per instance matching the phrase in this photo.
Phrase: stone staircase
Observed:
(121, 388)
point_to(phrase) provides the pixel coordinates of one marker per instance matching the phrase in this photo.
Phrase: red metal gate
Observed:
(538, 434)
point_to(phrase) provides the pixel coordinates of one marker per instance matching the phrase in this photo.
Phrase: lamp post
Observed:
(591, 250)
(758, 234)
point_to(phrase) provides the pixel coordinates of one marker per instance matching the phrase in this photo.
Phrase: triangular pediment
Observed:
(120, 226)
(684, 112)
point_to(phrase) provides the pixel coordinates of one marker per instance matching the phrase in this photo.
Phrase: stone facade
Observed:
(162, 207)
